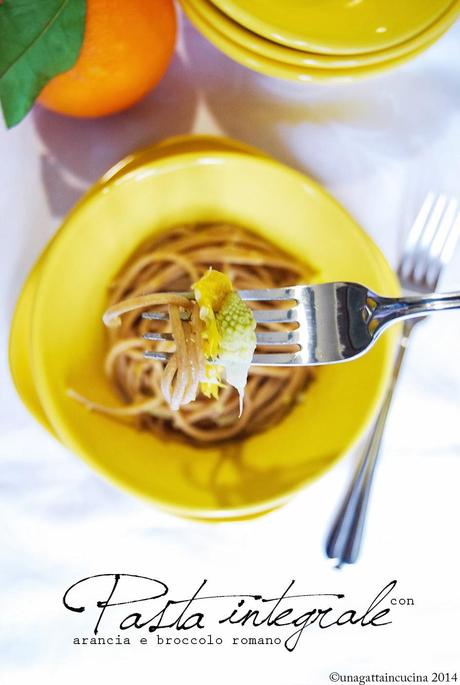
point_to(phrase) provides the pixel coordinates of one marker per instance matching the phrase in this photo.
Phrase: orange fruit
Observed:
(126, 50)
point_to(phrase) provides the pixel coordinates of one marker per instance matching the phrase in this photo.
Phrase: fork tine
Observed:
(158, 337)
(414, 235)
(451, 241)
(422, 251)
(262, 295)
(271, 294)
(275, 359)
(163, 316)
(158, 356)
(260, 315)
(421, 234)
(443, 243)
(287, 338)
(276, 315)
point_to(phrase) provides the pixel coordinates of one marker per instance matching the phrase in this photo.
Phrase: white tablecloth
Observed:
(378, 145)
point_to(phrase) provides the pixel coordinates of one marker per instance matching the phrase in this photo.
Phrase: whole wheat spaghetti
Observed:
(166, 397)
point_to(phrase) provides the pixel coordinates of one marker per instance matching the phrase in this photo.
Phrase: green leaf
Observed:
(38, 39)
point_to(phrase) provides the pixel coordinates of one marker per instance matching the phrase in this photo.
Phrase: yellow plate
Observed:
(68, 340)
(278, 69)
(19, 346)
(335, 26)
(20, 361)
(274, 51)
(173, 146)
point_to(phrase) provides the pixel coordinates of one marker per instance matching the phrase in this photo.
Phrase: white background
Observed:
(378, 146)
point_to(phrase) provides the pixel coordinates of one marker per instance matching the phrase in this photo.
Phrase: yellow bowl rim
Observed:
(277, 69)
(243, 36)
(272, 32)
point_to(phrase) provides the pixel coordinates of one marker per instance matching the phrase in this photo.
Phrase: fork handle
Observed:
(389, 309)
(345, 536)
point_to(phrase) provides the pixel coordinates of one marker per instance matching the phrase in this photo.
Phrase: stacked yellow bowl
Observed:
(322, 40)
(58, 341)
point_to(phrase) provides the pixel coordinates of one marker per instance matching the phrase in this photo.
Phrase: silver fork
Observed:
(335, 321)
(429, 247)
